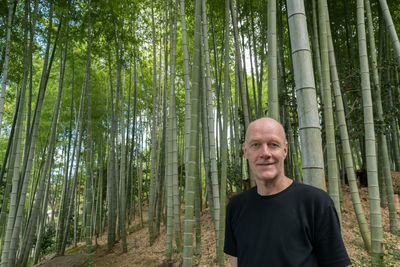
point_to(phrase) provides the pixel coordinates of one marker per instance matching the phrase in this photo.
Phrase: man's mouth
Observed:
(266, 164)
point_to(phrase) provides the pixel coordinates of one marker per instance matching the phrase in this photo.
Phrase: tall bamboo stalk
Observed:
(373, 185)
(333, 174)
(192, 170)
(309, 127)
(6, 59)
(273, 102)
(383, 155)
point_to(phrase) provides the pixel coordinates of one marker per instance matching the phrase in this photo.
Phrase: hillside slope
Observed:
(141, 254)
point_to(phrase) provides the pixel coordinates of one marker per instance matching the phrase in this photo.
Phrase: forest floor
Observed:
(141, 254)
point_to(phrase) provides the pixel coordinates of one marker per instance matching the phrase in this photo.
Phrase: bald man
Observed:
(280, 222)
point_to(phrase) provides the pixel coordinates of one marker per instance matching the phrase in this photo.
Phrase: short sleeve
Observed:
(230, 241)
(329, 247)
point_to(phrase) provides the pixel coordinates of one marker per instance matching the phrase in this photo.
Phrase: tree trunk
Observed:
(333, 174)
(273, 102)
(210, 120)
(391, 29)
(192, 167)
(316, 48)
(373, 185)
(42, 223)
(154, 174)
(111, 171)
(77, 151)
(89, 147)
(122, 173)
(6, 59)
(383, 155)
(238, 58)
(186, 78)
(309, 128)
(224, 144)
(31, 227)
(172, 152)
(347, 153)
(14, 198)
(14, 226)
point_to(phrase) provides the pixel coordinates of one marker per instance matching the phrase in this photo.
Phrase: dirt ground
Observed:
(141, 254)
(71, 260)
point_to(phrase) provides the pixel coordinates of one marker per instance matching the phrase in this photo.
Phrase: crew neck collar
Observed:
(276, 194)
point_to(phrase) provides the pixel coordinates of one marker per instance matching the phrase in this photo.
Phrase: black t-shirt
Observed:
(296, 227)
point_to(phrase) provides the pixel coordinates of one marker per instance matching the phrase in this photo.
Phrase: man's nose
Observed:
(265, 151)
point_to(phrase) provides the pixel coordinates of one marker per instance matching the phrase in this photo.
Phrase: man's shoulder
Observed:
(242, 196)
(310, 192)
(306, 187)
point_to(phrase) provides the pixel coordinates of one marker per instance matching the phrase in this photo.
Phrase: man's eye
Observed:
(255, 145)
(273, 145)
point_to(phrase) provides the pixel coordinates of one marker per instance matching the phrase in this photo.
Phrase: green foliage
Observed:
(234, 176)
(128, 25)
(47, 242)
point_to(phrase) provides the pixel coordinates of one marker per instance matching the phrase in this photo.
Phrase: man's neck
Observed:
(267, 188)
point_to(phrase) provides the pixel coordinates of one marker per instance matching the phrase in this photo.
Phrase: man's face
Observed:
(265, 148)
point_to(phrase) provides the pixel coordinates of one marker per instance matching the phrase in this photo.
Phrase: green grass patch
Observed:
(73, 250)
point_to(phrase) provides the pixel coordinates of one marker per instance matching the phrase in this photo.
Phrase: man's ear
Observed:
(285, 149)
(244, 149)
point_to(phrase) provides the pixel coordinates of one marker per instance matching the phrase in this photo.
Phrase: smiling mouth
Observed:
(265, 164)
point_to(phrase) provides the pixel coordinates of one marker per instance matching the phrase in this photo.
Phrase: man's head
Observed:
(265, 147)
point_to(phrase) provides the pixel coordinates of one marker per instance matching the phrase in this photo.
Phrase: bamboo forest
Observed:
(122, 123)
